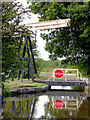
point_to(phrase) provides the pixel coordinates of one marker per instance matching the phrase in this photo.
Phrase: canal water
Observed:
(47, 105)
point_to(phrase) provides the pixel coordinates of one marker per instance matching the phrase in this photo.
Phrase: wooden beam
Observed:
(49, 24)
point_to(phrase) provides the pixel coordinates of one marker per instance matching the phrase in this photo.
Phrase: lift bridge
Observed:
(53, 24)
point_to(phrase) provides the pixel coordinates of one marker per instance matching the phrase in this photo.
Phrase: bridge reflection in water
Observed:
(72, 103)
(43, 106)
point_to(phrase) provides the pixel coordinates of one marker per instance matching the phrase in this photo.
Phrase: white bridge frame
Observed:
(65, 74)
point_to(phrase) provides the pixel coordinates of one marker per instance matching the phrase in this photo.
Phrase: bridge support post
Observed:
(65, 74)
(26, 49)
(33, 57)
(53, 75)
(21, 71)
(77, 75)
(29, 59)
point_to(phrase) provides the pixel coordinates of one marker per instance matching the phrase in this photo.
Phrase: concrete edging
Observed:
(30, 90)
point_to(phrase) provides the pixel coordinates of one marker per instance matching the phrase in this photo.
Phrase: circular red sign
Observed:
(58, 103)
(58, 73)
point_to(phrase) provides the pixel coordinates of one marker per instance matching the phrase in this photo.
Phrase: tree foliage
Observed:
(12, 14)
(59, 42)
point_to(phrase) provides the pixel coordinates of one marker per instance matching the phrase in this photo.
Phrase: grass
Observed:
(11, 85)
(23, 79)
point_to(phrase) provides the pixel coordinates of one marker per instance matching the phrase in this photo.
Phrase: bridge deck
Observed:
(63, 82)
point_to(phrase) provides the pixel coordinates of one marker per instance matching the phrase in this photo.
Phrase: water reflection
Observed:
(43, 106)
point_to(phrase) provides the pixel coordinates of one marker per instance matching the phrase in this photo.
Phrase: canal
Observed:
(46, 105)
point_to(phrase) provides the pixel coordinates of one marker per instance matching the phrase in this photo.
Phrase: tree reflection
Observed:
(13, 107)
(73, 107)
(19, 109)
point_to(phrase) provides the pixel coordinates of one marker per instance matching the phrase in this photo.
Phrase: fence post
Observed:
(65, 75)
(53, 75)
(77, 102)
(77, 74)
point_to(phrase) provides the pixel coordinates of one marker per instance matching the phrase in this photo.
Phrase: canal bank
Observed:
(10, 88)
(87, 89)
(25, 87)
(30, 90)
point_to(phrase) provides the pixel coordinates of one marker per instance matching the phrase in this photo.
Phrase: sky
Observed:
(40, 42)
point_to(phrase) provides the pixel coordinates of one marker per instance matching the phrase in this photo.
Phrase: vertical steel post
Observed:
(20, 46)
(21, 71)
(26, 41)
(33, 57)
(22, 62)
(33, 108)
(21, 107)
(28, 71)
(18, 58)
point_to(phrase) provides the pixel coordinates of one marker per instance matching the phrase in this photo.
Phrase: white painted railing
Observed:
(67, 75)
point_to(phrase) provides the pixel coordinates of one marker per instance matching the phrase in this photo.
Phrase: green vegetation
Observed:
(77, 88)
(17, 84)
(9, 85)
(5, 92)
(12, 14)
(48, 66)
(59, 42)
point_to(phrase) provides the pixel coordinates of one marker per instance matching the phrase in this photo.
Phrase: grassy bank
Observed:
(10, 85)
(17, 84)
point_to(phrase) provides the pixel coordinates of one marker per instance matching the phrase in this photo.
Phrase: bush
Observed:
(5, 92)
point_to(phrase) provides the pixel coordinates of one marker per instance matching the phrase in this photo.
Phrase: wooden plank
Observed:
(71, 74)
(48, 27)
(59, 21)
(69, 108)
(48, 24)
(71, 69)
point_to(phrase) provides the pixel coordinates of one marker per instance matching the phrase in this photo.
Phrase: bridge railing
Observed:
(77, 75)
(68, 74)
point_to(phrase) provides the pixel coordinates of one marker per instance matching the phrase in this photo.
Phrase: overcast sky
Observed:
(40, 42)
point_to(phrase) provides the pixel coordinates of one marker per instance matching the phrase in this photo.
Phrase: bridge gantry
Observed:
(37, 26)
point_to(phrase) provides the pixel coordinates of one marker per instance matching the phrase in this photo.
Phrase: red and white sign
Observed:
(69, 22)
(58, 73)
(58, 103)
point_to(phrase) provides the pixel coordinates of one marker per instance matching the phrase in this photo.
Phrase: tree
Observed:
(59, 42)
(12, 14)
